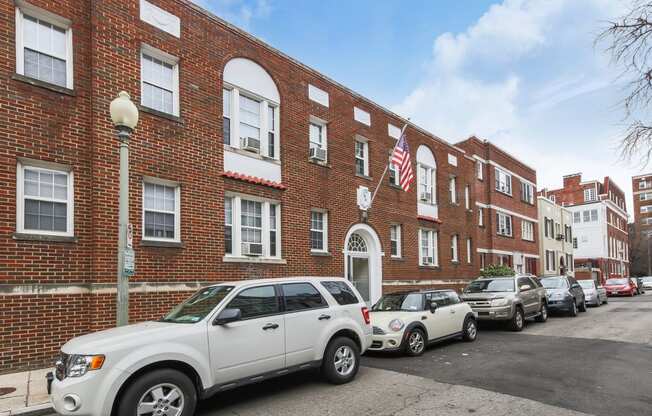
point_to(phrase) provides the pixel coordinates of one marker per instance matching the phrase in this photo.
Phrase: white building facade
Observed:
(556, 238)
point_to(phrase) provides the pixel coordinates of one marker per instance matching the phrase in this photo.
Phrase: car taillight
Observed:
(365, 315)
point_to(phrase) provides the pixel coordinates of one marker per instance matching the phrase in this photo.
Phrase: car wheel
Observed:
(518, 320)
(341, 361)
(543, 313)
(573, 308)
(470, 331)
(583, 306)
(415, 342)
(160, 392)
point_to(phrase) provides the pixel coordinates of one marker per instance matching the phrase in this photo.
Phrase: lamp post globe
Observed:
(124, 115)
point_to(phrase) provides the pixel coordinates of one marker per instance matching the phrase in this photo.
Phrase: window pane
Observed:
(30, 32)
(257, 301)
(249, 111)
(301, 296)
(226, 123)
(341, 292)
(226, 103)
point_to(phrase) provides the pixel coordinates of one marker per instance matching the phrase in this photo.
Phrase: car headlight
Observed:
(499, 302)
(396, 325)
(78, 365)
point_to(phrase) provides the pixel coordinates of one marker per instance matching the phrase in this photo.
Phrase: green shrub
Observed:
(494, 270)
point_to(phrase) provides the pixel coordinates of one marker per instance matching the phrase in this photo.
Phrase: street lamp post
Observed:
(124, 115)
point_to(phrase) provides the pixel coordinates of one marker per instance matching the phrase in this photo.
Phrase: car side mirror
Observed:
(433, 306)
(227, 316)
(523, 288)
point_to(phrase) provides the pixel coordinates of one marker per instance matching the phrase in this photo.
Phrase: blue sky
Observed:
(524, 74)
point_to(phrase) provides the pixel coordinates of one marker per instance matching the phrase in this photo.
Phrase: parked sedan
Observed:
(647, 282)
(595, 295)
(564, 294)
(620, 287)
(409, 321)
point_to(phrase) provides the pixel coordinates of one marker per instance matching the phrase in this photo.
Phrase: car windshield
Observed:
(616, 281)
(490, 285)
(198, 305)
(554, 283)
(586, 284)
(400, 302)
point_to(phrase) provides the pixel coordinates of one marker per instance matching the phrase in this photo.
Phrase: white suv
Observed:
(222, 337)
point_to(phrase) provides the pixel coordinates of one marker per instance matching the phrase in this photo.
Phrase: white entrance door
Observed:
(363, 265)
(359, 275)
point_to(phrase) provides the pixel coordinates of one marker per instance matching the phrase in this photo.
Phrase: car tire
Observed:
(572, 310)
(341, 360)
(414, 343)
(583, 306)
(517, 323)
(172, 384)
(543, 313)
(470, 330)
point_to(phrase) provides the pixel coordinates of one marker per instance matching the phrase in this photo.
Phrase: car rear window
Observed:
(300, 296)
(342, 293)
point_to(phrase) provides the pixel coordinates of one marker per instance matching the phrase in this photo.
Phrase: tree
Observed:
(638, 252)
(494, 270)
(629, 40)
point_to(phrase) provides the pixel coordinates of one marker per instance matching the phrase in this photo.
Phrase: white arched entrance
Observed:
(363, 261)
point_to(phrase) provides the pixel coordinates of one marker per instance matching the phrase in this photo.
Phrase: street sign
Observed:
(130, 236)
(129, 262)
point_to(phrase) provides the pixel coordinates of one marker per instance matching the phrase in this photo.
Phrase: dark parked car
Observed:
(620, 287)
(564, 294)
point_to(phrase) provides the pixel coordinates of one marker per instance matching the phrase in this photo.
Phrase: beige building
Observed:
(555, 238)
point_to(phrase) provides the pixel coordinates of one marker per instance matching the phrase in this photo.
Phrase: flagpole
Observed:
(373, 196)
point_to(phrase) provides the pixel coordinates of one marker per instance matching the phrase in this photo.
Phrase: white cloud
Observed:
(239, 12)
(527, 77)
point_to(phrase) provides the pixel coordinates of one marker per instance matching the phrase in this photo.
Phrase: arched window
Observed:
(357, 244)
(426, 176)
(250, 108)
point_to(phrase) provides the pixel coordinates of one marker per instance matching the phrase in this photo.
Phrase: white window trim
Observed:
(399, 251)
(452, 189)
(177, 209)
(365, 154)
(529, 236)
(432, 173)
(324, 230)
(433, 247)
(479, 169)
(508, 178)
(469, 254)
(236, 231)
(455, 248)
(481, 216)
(502, 216)
(324, 133)
(23, 8)
(170, 60)
(264, 130)
(20, 197)
(467, 197)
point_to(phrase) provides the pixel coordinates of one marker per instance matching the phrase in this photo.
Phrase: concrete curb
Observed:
(36, 410)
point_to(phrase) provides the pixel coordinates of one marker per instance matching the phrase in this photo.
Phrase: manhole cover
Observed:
(6, 390)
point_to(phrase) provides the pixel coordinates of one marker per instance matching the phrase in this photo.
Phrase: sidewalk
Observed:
(24, 393)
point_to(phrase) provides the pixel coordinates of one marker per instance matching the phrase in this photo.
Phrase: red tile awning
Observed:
(253, 179)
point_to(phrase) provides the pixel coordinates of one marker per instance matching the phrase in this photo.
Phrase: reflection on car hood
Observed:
(486, 295)
(381, 319)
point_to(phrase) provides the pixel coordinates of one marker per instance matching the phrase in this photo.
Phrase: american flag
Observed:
(401, 159)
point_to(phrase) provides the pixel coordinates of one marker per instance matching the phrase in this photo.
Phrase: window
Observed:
(454, 248)
(361, 158)
(527, 230)
(250, 122)
(452, 189)
(317, 138)
(527, 192)
(342, 293)
(553, 198)
(503, 182)
(483, 260)
(479, 169)
(550, 261)
(594, 215)
(467, 197)
(252, 227)
(161, 211)
(395, 240)
(646, 196)
(481, 216)
(45, 201)
(159, 81)
(394, 176)
(503, 224)
(646, 208)
(318, 231)
(574, 242)
(302, 296)
(642, 185)
(256, 302)
(226, 115)
(426, 188)
(576, 217)
(426, 179)
(428, 248)
(44, 47)
(271, 131)
(469, 253)
(589, 194)
(586, 215)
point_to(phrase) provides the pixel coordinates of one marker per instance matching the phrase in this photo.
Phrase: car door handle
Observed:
(270, 326)
(452, 310)
(322, 317)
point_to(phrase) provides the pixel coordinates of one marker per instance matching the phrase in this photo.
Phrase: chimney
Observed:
(572, 180)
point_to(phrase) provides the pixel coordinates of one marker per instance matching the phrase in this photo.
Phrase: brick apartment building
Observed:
(505, 192)
(642, 187)
(600, 233)
(245, 164)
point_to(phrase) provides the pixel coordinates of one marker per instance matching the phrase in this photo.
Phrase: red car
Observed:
(617, 287)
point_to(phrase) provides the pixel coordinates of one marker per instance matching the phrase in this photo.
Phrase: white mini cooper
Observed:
(409, 321)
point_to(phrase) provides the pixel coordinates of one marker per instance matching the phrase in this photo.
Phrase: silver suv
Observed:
(511, 299)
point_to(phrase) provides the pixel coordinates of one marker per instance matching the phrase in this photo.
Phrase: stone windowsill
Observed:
(43, 84)
(160, 114)
(44, 238)
(247, 259)
(320, 253)
(161, 244)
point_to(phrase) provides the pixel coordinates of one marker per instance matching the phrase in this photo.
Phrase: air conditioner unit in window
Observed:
(428, 261)
(317, 153)
(252, 249)
(250, 144)
(560, 237)
(426, 196)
